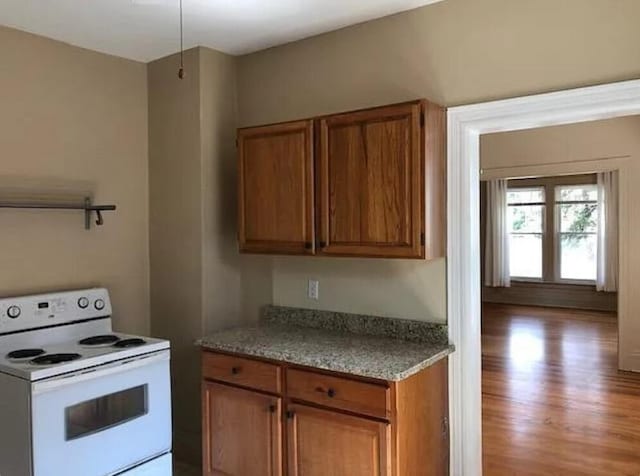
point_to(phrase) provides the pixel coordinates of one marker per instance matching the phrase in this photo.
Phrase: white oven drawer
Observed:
(100, 422)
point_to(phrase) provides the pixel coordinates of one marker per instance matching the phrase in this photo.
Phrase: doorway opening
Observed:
(551, 387)
(465, 126)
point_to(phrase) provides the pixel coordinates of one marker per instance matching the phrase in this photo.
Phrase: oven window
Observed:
(105, 412)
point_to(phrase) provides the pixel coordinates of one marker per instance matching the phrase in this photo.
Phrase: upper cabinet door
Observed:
(371, 188)
(276, 188)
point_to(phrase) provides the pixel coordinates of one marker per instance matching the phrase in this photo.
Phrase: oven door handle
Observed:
(84, 375)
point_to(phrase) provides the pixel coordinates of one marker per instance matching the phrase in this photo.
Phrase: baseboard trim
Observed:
(568, 296)
(630, 363)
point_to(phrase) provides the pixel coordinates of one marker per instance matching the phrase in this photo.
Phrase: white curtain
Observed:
(607, 273)
(496, 257)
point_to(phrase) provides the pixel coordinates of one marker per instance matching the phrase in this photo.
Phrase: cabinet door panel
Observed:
(324, 443)
(242, 432)
(386, 186)
(276, 188)
(371, 187)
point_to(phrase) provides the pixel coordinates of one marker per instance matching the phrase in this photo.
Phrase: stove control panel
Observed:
(42, 310)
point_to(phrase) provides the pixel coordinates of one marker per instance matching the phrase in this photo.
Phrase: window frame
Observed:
(543, 233)
(551, 258)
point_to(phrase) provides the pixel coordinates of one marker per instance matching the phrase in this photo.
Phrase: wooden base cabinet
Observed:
(318, 423)
(324, 442)
(242, 432)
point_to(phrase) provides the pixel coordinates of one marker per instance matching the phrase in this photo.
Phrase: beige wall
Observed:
(234, 286)
(199, 282)
(453, 52)
(176, 233)
(580, 148)
(72, 122)
(608, 138)
(391, 288)
(222, 279)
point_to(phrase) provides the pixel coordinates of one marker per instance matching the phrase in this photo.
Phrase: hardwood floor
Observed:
(554, 402)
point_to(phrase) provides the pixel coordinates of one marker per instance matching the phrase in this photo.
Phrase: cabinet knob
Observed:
(272, 408)
(235, 370)
(331, 393)
(290, 414)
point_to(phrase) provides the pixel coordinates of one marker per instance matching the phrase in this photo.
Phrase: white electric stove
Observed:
(76, 398)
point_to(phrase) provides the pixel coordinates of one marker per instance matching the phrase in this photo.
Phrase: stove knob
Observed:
(99, 304)
(13, 312)
(83, 303)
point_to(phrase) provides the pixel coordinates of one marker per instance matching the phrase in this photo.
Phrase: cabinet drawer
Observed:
(338, 392)
(241, 371)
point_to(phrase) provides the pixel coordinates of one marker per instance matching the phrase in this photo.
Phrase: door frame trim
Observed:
(465, 125)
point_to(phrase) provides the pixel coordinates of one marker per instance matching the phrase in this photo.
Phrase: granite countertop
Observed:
(366, 346)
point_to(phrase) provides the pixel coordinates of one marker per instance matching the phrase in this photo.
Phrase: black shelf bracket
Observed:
(88, 207)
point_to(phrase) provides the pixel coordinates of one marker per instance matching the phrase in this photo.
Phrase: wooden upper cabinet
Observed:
(379, 184)
(276, 197)
(371, 189)
(241, 432)
(322, 443)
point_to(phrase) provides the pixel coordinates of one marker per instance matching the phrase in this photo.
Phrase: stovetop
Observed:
(57, 333)
(65, 357)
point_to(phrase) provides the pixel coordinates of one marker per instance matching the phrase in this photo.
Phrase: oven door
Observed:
(104, 420)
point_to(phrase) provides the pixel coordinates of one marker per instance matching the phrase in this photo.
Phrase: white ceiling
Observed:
(148, 29)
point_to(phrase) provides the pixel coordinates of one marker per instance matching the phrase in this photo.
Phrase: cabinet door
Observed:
(324, 443)
(242, 432)
(371, 183)
(276, 189)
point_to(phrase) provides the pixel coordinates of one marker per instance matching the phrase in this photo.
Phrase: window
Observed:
(553, 229)
(526, 231)
(577, 228)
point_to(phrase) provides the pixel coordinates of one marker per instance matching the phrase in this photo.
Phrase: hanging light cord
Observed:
(181, 70)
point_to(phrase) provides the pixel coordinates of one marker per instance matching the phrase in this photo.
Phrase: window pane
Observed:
(525, 195)
(578, 218)
(525, 218)
(573, 193)
(578, 256)
(525, 256)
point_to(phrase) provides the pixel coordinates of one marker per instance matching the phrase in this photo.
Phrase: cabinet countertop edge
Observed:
(374, 357)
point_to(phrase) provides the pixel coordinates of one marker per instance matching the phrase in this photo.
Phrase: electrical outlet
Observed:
(313, 289)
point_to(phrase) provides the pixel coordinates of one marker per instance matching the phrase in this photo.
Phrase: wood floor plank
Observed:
(553, 401)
